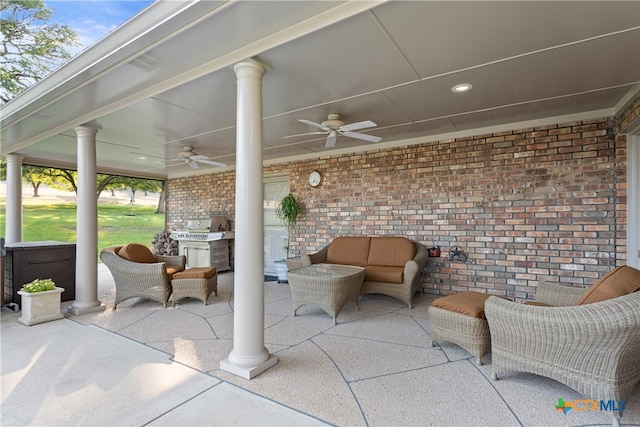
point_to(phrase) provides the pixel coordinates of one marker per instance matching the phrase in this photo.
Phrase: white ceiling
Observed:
(393, 63)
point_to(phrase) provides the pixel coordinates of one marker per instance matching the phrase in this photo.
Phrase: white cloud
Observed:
(94, 19)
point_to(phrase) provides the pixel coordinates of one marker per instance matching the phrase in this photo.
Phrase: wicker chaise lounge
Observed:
(149, 276)
(590, 346)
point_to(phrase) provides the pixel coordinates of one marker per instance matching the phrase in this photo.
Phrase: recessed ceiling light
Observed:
(462, 87)
(142, 158)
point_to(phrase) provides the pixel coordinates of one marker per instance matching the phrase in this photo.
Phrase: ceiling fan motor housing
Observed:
(186, 152)
(334, 121)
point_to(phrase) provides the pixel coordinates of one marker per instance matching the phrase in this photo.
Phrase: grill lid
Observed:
(199, 224)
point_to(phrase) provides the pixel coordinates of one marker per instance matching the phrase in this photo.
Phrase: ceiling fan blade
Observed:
(310, 123)
(304, 134)
(193, 164)
(211, 162)
(359, 125)
(362, 136)
(331, 141)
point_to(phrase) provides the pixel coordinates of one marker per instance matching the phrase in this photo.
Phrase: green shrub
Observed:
(39, 285)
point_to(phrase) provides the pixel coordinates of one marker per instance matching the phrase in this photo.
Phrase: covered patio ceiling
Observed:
(164, 80)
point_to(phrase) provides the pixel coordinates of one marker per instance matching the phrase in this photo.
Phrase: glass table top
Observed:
(333, 270)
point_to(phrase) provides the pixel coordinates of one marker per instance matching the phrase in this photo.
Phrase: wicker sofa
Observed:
(392, 264)
(139, 273)
(588, 340)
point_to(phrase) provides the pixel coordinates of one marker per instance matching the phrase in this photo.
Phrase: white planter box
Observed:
(39, 307)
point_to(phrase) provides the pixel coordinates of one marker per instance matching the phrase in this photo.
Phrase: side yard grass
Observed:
(57, 221)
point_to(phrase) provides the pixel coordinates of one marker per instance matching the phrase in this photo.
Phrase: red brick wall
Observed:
(628, 113)
(526, 206)
(200, 196)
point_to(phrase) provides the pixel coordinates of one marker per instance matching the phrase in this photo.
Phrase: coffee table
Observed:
(329, 286)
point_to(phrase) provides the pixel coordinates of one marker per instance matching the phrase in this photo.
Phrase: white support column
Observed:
(249, 356)
(13, 225)
(87, 226)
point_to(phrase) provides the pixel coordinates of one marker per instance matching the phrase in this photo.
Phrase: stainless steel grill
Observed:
(206, 242)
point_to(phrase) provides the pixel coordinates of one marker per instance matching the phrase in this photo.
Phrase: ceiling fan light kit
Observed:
(333, 127)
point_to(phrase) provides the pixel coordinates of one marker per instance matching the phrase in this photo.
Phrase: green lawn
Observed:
(58, 222)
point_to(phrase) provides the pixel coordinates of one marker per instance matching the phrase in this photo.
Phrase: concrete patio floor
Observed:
(143, 364)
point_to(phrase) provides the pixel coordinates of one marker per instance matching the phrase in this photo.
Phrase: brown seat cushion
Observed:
(618, 282)
(173, 270)
(196, 273)
(470, 303)
(349, 251)
(383, 273)
(391, 251)
(136, 252)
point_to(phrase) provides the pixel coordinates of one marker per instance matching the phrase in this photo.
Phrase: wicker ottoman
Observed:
(460, 319)
(198, 282)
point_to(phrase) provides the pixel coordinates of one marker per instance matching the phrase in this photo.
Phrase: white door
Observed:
(275, 233)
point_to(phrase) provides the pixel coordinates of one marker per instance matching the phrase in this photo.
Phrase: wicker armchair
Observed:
(593, 348)
(141, 279)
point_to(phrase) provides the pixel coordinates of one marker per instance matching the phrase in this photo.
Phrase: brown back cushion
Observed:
(391, 251)
(618, 282)
(136, 252)
(349, 251)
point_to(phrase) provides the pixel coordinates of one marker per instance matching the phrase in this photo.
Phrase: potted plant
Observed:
(287, 210)
(40, 302)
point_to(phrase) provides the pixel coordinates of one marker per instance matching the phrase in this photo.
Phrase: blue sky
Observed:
(94, 19)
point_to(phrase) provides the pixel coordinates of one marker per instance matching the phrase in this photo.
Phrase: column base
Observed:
(78, 310)
(248, 372)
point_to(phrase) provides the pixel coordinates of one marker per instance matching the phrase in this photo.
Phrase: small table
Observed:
(329, 286)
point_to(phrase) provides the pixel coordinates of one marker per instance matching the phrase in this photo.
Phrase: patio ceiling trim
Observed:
(329, 17)
(103, 56)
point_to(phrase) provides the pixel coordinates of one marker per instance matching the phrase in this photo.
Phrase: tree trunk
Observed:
(160, 209)
(36, 186)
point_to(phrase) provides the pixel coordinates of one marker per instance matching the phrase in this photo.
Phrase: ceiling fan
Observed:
(192, 158)
(333, 127)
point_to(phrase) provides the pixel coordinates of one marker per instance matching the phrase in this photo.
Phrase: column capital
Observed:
(250, 68)
(87, 130)
(12, 157)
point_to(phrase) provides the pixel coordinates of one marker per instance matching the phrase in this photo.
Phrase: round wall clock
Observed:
(315, 178)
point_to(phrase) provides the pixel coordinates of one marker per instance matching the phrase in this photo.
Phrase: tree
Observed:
(36, 176)
(67, 180)
(135, 184)
(30, 47)
(161, 199)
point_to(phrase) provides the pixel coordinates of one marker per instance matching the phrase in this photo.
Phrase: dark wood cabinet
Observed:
(26, 261)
